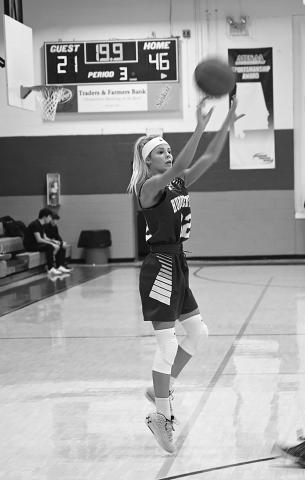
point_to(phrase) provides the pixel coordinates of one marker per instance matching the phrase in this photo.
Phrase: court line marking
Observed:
(222, 467)
(204, 398)
(99, 337)
(231, 282)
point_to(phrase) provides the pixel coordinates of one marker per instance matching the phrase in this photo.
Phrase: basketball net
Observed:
(48, 98)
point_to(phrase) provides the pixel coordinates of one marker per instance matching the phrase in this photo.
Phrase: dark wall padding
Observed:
(101, 164)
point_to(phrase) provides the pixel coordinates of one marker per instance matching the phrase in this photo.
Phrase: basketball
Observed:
(214, 77)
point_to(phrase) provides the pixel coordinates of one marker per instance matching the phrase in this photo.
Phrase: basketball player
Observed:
(161, 188)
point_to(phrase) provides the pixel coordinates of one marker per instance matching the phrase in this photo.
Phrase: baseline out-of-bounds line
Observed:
(163, 472)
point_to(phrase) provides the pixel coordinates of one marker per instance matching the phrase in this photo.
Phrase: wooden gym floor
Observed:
(75, 359)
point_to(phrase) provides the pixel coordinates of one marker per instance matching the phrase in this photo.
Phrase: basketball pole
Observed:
(25, 91)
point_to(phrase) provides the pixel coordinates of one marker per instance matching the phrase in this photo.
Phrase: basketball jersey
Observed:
(169, 222)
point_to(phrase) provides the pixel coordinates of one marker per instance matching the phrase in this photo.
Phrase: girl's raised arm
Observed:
(157, 182)
(213, 150)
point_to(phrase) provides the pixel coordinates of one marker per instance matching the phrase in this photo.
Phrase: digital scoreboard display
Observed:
(76, 63)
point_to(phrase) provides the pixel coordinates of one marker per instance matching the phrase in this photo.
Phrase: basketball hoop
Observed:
(48, 97)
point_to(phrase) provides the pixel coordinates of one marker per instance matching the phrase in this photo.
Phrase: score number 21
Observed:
(63, 63)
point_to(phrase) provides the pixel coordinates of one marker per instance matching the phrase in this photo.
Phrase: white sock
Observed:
(162, 406)
(171, 382)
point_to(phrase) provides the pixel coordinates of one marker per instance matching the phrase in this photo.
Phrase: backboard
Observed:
(19, 62)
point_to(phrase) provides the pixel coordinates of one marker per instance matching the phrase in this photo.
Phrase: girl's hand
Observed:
(232, 112)
(203, 118)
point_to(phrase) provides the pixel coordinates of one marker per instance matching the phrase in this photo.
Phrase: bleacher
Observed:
(14, 259)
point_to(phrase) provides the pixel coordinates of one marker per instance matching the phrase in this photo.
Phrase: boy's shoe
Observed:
(150, 395)
(63, 269)
(162, 428)
(54, 271)
(296, 452)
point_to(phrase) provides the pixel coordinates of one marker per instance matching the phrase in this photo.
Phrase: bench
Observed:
(15, 259)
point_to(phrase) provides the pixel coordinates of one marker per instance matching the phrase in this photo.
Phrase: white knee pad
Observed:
(195, 330)
(166, 350)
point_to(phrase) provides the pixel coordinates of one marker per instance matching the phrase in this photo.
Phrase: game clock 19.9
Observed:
(148, 60)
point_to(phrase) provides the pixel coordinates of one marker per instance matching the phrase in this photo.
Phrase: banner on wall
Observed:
(252, 136)
(127, 97)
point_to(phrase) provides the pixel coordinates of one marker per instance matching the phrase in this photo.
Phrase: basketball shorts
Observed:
(164, 287)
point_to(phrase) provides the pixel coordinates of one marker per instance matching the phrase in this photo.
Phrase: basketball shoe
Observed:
(162, 428)
(63, 269)
(296, 452)
(150, 395)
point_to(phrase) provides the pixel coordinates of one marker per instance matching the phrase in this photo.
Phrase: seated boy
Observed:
(52, 233)
(35, 240)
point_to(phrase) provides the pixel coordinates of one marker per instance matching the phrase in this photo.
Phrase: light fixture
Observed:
(238, 28)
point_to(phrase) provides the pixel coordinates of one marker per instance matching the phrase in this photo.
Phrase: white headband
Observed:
(153, 143)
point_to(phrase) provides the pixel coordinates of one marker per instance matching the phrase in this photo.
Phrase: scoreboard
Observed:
(77, 63)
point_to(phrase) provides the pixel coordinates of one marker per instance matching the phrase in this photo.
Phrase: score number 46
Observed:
(160, 61)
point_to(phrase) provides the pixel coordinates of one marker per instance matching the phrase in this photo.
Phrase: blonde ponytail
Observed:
(140, 170)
